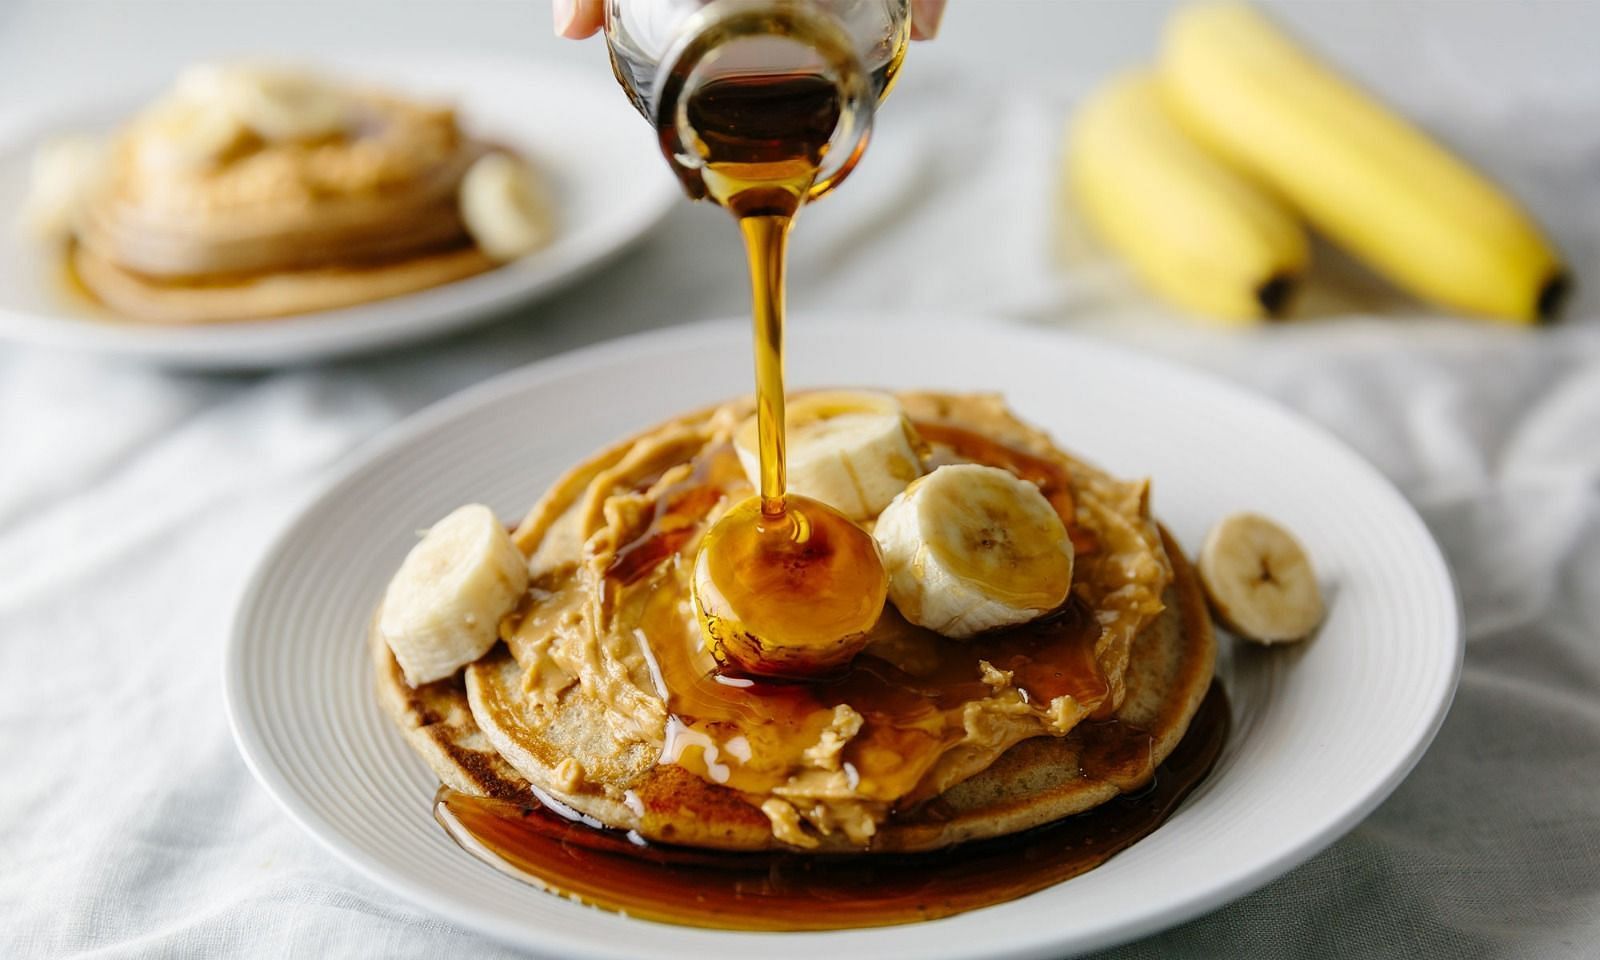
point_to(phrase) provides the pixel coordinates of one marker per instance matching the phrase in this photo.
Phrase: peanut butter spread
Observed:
(608, 618)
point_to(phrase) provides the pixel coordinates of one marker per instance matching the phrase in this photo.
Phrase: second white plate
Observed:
(1322, 731)
(608, 178)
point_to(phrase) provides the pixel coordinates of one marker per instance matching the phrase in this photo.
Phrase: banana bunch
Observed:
(1199, 233)
(1202, 173)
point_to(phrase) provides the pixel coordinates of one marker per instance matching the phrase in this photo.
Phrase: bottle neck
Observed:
(776, 82)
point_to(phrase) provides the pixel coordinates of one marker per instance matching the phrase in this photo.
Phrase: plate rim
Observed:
(252, 749)
(318, 336)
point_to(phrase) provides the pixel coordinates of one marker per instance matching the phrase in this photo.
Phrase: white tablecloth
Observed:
(134, 502)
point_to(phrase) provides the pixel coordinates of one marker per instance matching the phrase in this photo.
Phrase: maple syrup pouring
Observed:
(766, 244)
(787, 891)
(763, 139)
(789, 589)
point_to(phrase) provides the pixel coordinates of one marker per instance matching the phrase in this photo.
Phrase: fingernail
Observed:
(564, 12)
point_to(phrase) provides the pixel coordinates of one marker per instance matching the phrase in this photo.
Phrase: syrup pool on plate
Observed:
(789, 891)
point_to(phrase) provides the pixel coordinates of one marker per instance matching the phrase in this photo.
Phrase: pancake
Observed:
(232, 298)
(438, 724)
(564, 738)
(200, 218)
(1034, 782)
(384, 191)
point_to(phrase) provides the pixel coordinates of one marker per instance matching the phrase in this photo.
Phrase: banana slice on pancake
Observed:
(443, 608)
(178, 134)
(280, 104)
(505, 207)
(1259, 580)
(854, 450)
(971, 548)
(214, 107)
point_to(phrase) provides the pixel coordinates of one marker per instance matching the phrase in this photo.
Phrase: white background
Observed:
(133, 502)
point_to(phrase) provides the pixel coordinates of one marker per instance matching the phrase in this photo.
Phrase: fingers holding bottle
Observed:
(576, 19)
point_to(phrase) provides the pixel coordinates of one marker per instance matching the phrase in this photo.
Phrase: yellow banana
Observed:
(1373, 182)
(1197, 232)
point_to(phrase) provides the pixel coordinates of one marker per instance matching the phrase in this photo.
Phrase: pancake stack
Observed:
(595, 697)
(252, 191)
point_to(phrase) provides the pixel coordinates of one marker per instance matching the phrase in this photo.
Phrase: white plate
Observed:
(608, 178)
(1323, 731)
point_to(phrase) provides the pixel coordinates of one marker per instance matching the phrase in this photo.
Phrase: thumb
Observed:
(576, 19)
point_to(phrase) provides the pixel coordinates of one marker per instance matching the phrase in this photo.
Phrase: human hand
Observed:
(576, 19)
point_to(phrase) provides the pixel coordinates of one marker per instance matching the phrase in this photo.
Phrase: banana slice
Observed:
(280, 104)
(505, 207)
(852, 449)
(182, 134)
(1260, 580)
(65, 173)
(970, 548)
(443, 608)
